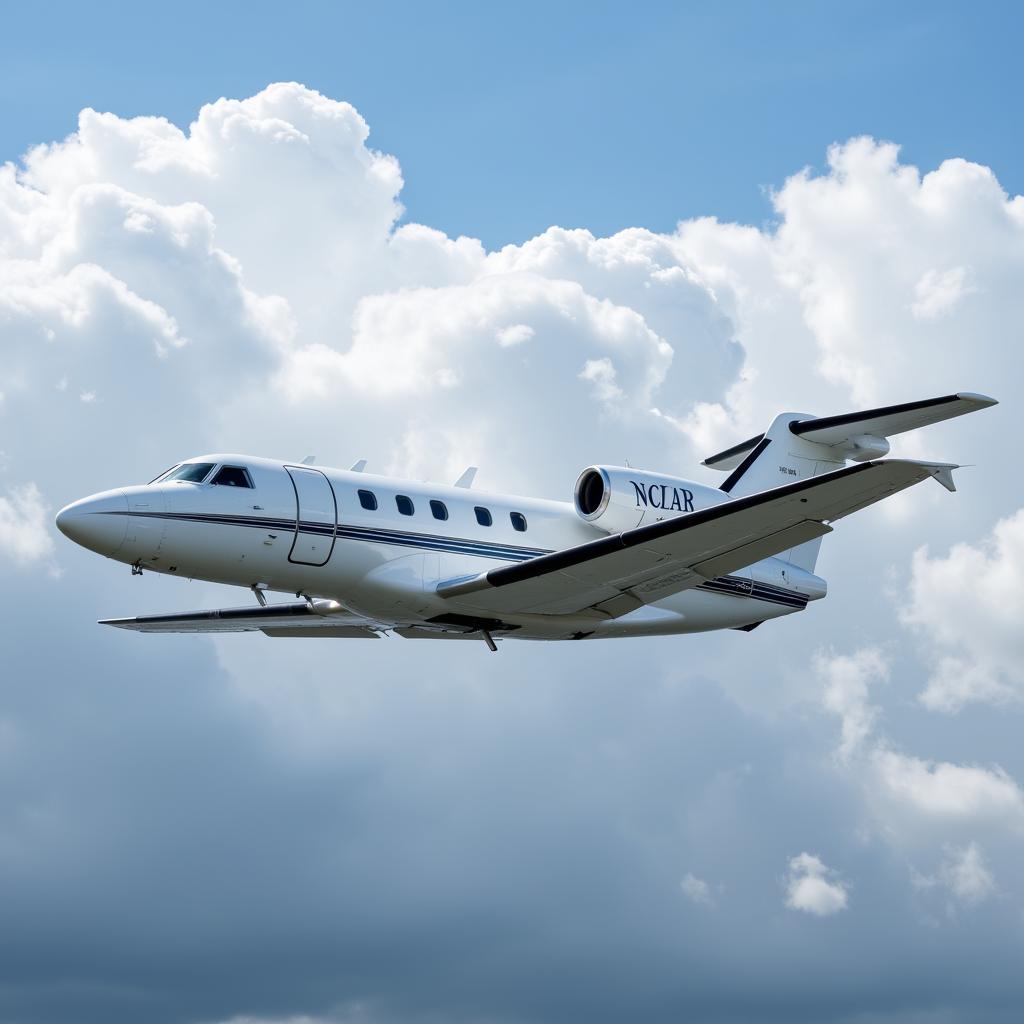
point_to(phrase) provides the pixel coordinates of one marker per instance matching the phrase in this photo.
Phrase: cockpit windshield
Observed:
(192, 472)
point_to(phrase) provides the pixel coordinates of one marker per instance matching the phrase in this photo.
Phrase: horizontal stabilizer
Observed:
(893, 419)
(846, 430)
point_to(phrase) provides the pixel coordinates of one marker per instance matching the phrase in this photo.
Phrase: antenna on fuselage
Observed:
(358, 466)
(467, 478)
(309, 460)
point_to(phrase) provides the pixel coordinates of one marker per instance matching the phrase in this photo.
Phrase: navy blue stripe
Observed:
(427, 541)
(738, 587)
(733, 585)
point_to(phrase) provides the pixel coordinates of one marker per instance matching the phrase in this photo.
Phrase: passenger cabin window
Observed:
(192, 472)
(483, 516)
(518, 521)
(368, 500)
(232, 476)
(439, 509)
(405, 505)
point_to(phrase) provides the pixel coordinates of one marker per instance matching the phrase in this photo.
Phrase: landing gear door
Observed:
(316, 516)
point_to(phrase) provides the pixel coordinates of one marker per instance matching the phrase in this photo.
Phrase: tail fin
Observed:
(797, 446)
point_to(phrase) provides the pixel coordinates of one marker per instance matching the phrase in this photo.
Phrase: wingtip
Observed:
(982, 401)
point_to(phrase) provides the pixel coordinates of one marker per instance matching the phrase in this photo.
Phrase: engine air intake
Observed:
(591, 493)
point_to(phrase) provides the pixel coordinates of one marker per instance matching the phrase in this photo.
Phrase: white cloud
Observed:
(967, 876)
(865, 280)
(514, 334)
(24, 525)
(696, 890)
(602, 374)
(969, 606)
(938, 292)
(913, 798)
(943, 792)
(261, 243)
(241, 285)
(813, 888)
(963, 874)
(847, 680)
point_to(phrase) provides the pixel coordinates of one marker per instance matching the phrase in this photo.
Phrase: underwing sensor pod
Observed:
(635, 553)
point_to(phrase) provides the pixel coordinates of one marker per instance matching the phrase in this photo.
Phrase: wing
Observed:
(622, 572)
(299, 619)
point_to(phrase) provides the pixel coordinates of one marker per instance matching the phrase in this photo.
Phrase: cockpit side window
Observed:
(192, 472)
(233, 476)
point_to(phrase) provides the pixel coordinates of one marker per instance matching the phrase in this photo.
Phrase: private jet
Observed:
(635, 553)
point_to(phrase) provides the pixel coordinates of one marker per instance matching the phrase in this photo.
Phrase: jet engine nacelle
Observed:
(617, 498)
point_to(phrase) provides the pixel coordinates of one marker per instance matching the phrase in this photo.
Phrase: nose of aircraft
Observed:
(99, 522)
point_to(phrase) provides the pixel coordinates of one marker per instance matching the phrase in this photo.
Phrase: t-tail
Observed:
(797, 446)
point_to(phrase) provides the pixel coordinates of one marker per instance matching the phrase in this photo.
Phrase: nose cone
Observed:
(99, 522)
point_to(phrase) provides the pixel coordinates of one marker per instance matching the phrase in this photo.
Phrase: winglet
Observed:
(940, 471)
(943, 472)
(467, 478)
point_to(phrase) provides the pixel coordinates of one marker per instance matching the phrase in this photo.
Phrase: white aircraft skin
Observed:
(305, 530)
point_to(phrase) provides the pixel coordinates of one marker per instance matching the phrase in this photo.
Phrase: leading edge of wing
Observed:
(557, 561)
(278, 620)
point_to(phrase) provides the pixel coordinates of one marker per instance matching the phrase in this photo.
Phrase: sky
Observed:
(315, 229)
(595, 115)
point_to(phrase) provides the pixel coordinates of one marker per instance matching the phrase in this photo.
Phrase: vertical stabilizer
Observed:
(781, 457)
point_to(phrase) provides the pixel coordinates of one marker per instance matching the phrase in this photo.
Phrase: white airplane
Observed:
(635, 553)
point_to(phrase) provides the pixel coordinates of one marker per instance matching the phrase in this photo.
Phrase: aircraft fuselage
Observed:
(379, 546)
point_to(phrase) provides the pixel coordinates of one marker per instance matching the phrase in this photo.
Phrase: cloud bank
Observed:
(239, 829)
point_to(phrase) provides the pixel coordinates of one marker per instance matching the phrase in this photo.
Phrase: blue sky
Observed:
(818, 821)
(507, 120)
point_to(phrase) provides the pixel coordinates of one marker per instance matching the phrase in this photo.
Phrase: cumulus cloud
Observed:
(143, 260)
(813, 888)
(245, 284)
(938, 292)
(874, 268)
(969, 605)
(24, 526)
(949, 793)
(696, 890)
(912, 797)
(963, 875)
(847, 680)
(515, 334)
